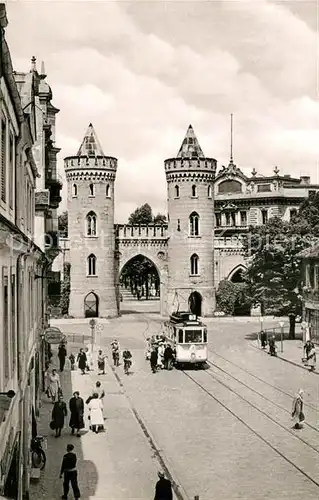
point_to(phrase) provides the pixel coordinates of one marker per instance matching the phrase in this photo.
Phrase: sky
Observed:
(142, 71)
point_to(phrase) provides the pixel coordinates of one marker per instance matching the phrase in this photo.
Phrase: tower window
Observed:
(176, 191)
(91, 190)
(209, 191)
(91, 224)
(91, 263)
(194, 265)
(194, 191)
(194, 224)
(74, 190)
(108, 191)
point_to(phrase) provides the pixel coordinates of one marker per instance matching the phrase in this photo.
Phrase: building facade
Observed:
(310, 290)
(201, 245)
(24, 259)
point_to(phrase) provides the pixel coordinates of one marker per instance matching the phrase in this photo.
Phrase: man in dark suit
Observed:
(68, 469)
(163, 489)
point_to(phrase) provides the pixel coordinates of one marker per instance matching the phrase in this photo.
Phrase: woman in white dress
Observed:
(96, 413)
(54, 386)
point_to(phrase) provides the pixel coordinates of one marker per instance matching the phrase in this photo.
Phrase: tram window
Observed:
(180, 336)
(193, 336)
(205, 335)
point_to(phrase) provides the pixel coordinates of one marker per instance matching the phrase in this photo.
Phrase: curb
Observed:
(179, 491)
(285, 359)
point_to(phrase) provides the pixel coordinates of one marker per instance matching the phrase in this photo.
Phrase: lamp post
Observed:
(281, 324)
(304, 326)
(261, 319)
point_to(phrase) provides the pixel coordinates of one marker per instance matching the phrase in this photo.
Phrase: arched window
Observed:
(194, 191)
(194, 264)
(74, 190)
(91, 224)
(108, 191)
(176, 191)
(91, 265)
(209, 191)
(91, 190)
(194, 224)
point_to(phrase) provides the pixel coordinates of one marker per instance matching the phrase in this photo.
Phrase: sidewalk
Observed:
(292, 353)
(115, 465)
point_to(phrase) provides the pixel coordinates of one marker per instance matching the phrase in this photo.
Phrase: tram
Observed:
(188, 337)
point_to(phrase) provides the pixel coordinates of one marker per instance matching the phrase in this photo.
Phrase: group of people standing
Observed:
(160, 353)
(76, 407)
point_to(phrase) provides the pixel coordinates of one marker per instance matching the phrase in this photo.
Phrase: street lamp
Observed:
(281, 324)
(261, 319)
(10, 394)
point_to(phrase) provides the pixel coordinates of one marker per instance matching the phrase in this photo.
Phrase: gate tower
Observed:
(90, 177)
(190, 187)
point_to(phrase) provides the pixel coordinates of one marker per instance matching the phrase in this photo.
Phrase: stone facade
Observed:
(202, 243)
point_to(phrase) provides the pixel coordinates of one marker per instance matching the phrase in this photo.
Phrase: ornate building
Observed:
(27, 119)
(201, 244)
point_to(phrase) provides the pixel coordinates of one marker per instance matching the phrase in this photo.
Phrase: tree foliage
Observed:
(63, 223)
(229, 295)
(274, 270)
(144, 215)
(140, 275)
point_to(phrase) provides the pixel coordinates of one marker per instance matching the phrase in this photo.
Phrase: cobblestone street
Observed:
(232, 440)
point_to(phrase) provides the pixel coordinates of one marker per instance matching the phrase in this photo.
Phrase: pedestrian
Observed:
(263, 338)
(160, 356)
(163, 488)
(76, 406)
(81, 359)
(59, 411)
(168, 357)
(96, 413)
(89, 361)
(311, 355)
(101, 362)
(62, 355)
(54, 385)
(297, 410)
(72, 361)
(68, 470)
(153, 360)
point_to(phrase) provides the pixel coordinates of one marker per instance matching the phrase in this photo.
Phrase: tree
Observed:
(229, 295)
(142, 215)
(273, 274)
(63, 223)
(66, 289)
(160, 219)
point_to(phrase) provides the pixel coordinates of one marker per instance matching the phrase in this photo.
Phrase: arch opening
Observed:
(195, 303)
(139, 280)
(91, 305)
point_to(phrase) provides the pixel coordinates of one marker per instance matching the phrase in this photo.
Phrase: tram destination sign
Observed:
(53, 335)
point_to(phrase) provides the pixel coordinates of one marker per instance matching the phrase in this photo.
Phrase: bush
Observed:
(231, 296)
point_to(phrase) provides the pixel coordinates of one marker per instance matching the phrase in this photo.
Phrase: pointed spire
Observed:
(190, 147)
(33, 63)
(90, 145)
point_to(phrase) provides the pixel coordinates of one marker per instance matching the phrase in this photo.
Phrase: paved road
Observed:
(224, 433)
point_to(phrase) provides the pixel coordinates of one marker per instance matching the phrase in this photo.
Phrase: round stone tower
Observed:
(90, 178)
(190, 186)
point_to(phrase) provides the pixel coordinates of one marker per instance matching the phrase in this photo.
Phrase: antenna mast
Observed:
(231, 138)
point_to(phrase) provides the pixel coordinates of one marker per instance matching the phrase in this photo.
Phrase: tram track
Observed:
(264, 439)
(256, 377)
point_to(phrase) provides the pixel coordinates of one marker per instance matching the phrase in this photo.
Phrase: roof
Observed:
(190, 147)
(90, 145)
(311, 252)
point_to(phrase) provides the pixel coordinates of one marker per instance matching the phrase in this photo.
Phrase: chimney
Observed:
(304, 180)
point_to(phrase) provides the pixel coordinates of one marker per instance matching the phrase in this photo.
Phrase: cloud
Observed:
(142, 71)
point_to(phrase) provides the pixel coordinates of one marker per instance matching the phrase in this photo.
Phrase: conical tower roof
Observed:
(90, 145)
(190, 147)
